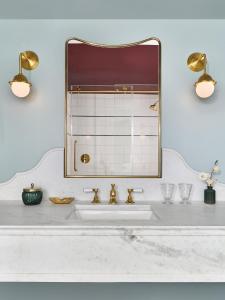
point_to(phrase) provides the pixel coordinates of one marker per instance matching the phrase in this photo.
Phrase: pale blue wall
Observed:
(29, 128)
(118, 9)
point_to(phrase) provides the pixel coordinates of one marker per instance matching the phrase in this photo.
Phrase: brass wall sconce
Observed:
(20, 86)
(205, 85)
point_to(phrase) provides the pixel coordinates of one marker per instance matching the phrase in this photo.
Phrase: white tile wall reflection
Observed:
(119, 132)
(114, 126)
(112, 104)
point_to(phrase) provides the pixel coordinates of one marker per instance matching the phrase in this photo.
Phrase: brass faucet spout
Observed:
(112, 199)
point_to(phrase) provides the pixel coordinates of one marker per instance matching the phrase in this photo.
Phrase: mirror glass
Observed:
(112, 113)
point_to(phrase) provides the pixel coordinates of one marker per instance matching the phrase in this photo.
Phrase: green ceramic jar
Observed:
(209, 195)
(32, 195)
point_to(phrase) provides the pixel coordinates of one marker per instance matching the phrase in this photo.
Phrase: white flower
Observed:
(210, 182)
(216, 169)
(204, 176)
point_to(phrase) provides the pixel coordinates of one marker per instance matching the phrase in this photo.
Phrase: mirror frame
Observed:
(159, 175)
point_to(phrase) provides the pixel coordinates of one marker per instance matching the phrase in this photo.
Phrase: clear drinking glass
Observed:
(167, 192)
(185, 191)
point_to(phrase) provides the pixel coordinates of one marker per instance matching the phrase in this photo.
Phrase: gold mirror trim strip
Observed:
(145, 41)
(114, 92)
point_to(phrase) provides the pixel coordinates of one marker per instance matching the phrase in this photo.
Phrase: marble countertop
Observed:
(14, 214)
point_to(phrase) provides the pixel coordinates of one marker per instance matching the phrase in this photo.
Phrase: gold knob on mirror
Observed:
(85, 158)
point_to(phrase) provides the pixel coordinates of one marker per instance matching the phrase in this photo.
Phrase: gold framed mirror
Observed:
(112, 109)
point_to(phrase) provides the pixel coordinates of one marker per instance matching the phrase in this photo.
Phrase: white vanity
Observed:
(47, 242)
(184, 244)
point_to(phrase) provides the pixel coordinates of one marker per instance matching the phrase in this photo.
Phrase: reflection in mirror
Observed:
(112, 109)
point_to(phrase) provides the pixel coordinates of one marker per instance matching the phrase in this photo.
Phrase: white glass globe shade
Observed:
(205, 89)
(20, 89)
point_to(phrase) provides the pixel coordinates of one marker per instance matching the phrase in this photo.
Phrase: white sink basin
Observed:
(113, 212)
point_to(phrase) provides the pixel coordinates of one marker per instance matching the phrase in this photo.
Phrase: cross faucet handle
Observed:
(130, 199)
(96, 199)
(138, 190)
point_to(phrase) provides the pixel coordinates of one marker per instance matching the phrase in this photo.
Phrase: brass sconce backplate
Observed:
(29, 60)
(85, 158)
(197, 61)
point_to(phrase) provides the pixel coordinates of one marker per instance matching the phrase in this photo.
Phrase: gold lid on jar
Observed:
(32, 189)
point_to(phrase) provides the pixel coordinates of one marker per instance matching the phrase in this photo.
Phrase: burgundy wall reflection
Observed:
(90, 65)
